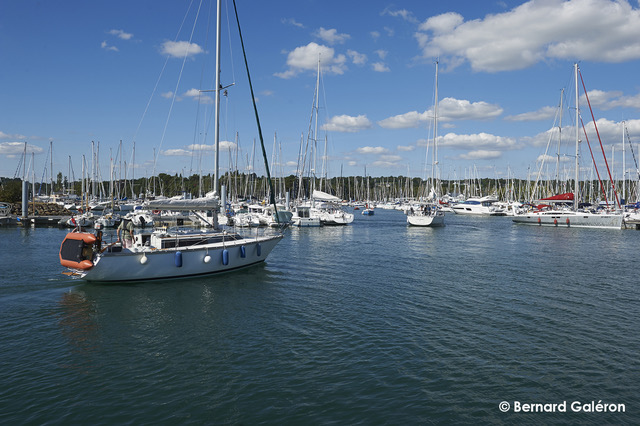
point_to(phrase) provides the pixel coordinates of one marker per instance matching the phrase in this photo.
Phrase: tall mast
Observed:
(314, 146)
(575, 195)
(51, 165)
(435, 140)
(217, 102)
(557, 189)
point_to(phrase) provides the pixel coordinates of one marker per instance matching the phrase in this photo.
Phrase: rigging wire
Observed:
(272, 196)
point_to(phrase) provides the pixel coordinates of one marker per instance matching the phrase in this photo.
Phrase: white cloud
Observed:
(347, 123)
(595, 30)
(190, 149)
(613, 99)
(375, 35)
(449, 109)
(305, 58)
(357, 58)
(331, 36)
(404, 121)
(460, 109)
(293, 22)
(403, 14)
(479, 142)
(176, 152)
(481, 154)
(106, 46)
(380, 67)
(179, 49)
(442, 24)
(196, 95)
(543, 113)
(372, 150)
(4, 135)
(121, 34)
(16, 148)
(408, 148)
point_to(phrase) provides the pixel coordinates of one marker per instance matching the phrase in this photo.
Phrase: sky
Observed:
(127, 85)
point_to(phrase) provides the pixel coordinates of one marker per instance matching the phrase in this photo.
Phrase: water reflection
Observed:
(77, 321)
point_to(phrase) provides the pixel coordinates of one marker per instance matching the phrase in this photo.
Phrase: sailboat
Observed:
(430, 214)
(171, 253)
(574, 217)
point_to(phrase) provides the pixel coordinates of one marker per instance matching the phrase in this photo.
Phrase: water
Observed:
(374, 323)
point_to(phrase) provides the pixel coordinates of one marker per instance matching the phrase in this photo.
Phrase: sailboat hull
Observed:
(570, 219)
(179, 262)
(426, 220)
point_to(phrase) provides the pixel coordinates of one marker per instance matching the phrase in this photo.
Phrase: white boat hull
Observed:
(306, 221)
(206, 259)
(426, 220)
(570, 219)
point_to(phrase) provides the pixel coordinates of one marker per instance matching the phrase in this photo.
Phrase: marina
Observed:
(411, 252)
(376, 322)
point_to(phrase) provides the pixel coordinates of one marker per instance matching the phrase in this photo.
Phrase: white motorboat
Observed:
(479, 206)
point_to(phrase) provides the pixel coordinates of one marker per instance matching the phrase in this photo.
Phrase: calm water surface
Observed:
(374, 323)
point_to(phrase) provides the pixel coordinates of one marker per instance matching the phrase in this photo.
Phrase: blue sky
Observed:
(73, 72)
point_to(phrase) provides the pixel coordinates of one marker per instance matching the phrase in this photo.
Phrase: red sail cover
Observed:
(567, 196)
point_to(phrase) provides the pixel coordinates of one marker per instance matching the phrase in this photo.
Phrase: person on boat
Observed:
(125, 233)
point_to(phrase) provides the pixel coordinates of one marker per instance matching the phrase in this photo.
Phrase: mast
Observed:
(624, 170)
(575, 194)
(51, 166)
(217, 101)
(557, 190)
(435, 142)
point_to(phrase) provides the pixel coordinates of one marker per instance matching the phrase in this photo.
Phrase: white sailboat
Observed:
(165, 253)
(430, 214)
(574, 217)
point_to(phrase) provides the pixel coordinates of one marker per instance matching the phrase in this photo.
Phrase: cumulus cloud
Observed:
(121, 34)
(595, 30)
(331, 36)
(380, 67)
(543, 113)
(481, 154)
(176, 152)
(404, 121)
(17, 148)
(305, 58)
(190, 149)
(613, 99)
(357, 58)
(408, 148)
(401, 13)
(480, 146)
(197, 95)
(178, 49)
(347, 123)
(292, 22)
(449, 109)
(106, 46)
(4, 135)
(372, 150)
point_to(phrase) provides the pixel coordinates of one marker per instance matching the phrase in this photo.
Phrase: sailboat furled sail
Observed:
(170, 253)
